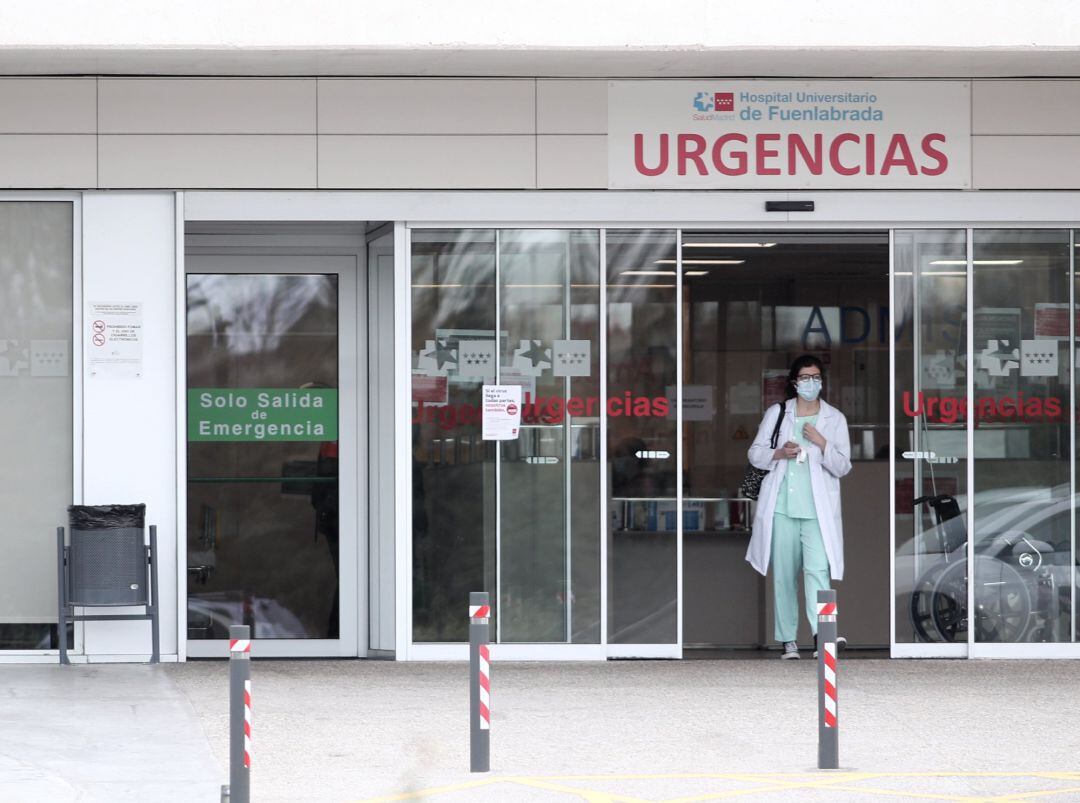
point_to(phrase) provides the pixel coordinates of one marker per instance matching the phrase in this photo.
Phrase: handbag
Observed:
(753, 476)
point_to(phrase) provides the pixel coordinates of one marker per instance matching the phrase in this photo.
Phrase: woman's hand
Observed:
(789, 451)
(811, 434)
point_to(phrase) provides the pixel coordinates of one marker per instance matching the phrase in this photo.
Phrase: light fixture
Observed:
(696, 273)
(977, 262)
(932, 273)
(728, 245)
(944, 273)
(649, 272)
(702, 262)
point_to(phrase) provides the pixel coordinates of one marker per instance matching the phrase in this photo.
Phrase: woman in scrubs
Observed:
(797, 523)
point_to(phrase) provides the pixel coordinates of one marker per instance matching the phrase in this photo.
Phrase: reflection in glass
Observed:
(453, 475)
(262, 506)
(930, 330)
(549, 544)
(1023, 501)
(35, 405)
(641, 422)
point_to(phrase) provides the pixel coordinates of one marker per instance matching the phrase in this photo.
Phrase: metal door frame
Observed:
(352, 435)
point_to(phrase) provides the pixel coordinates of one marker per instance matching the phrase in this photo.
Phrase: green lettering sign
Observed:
(262, 414)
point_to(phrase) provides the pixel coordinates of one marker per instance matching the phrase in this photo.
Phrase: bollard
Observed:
(239, 788)
(829, 721)
(479, 682)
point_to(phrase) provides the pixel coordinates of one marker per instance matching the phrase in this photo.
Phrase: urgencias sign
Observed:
(717, 134)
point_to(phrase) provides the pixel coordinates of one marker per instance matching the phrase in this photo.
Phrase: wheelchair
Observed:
(1017, 596)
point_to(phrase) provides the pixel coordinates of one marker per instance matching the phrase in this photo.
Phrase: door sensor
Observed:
(789, 206)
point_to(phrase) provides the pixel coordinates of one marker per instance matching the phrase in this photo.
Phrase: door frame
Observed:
(250, 254)
(621, 209)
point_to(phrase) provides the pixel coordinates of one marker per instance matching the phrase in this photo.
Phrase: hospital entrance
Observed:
(751, 304)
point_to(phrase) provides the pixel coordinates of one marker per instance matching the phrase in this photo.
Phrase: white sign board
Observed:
(114, 341)
(501, 412)
(720, 134)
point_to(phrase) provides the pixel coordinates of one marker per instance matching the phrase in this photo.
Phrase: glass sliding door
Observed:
(642, 437)
(930, 453)
(519, 519)
(453, 474)
(985, 473)
(271, 460)
(1023, 542)
(549, 545)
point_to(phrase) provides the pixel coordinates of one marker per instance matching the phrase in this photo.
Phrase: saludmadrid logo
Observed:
(706, 101)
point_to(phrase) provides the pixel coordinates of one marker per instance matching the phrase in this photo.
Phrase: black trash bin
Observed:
(107, 564)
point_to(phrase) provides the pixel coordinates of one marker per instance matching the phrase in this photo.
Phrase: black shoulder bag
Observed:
(752, 477)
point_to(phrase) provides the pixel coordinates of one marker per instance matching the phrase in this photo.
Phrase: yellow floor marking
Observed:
(829, 784)
(589, 795)
(438, 790)
(1030, 795)
(901, 793)
(767, 783)
(773, 783)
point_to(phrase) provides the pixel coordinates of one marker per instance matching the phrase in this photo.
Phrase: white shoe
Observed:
(791, 651)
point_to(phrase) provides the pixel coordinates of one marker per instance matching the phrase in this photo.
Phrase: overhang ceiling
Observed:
(583, 63)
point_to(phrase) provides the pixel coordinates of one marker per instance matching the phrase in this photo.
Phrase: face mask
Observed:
(808, 391)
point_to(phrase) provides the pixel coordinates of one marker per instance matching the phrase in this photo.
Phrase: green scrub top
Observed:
(796, 498)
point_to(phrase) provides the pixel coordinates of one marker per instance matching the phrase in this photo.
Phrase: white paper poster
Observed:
(501, 412)
(697, 402)
(114, 341)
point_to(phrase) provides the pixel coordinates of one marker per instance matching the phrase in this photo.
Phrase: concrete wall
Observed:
(330, 133)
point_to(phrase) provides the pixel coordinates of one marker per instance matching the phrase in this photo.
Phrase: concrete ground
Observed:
(617, 731)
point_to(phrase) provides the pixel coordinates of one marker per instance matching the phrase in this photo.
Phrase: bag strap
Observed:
(779, 421)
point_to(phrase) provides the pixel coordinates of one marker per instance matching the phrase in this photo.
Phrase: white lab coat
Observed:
(826, 469)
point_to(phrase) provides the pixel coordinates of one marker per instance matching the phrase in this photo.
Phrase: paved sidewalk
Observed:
(618, 731)
(107, 732)
(654, 730)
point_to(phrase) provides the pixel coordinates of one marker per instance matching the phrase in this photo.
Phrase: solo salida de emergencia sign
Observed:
(262, 414)
(720, 134)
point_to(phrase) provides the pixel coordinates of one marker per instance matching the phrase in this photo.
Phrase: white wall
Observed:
(372, 133)
(129, 255)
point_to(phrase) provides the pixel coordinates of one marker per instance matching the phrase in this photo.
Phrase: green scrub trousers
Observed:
(796, 544)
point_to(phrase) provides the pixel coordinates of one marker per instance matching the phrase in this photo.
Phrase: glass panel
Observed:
(35, 401)
(262, 371)
(453, 307)
(930, 328)
(1023, 500)
(642, 547)
(549, 546)
(752, 303)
